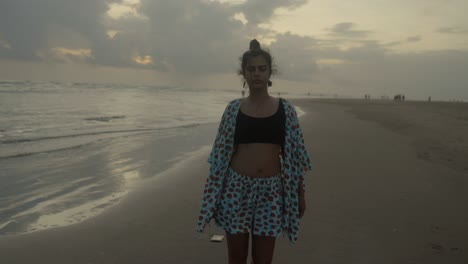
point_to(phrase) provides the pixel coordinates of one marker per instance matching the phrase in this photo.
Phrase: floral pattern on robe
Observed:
(295, 162)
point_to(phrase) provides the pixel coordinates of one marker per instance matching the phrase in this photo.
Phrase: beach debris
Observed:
(217, 238)
(435, 228)
(436, 246)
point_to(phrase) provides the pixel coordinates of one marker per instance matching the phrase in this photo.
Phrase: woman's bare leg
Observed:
(263, 248)
(238, 247)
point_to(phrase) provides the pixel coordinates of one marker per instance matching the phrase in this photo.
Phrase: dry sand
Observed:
(382, 190)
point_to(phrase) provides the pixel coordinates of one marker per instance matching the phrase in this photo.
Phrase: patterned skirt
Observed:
(248, 204)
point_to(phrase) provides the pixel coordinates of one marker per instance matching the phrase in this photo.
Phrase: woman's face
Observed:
(257, 72)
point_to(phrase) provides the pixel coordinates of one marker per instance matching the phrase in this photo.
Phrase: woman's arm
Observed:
(301, 188)
(302, 203)
(219, 135)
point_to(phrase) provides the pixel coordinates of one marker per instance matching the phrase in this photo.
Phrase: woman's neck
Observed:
(258, 95)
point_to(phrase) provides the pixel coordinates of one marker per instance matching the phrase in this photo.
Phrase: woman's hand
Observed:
(302, 202)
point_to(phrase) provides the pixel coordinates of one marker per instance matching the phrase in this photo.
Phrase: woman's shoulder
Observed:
(287, 104)
(234, 103)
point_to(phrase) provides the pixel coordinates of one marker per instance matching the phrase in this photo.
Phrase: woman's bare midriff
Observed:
(257, 160)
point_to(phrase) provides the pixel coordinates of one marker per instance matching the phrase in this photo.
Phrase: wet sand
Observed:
(382, 190)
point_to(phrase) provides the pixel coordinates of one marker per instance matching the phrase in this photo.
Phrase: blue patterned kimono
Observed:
(295, 162)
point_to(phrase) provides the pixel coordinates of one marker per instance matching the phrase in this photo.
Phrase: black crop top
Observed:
(269, 129)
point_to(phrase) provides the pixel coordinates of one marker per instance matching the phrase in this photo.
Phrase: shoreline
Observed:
(370, 199)
(35, 220)
(82, 183)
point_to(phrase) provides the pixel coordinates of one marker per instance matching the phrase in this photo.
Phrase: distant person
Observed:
(429, 99)
(258, 161)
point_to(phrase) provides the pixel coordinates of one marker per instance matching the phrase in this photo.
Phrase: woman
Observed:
(258, 161)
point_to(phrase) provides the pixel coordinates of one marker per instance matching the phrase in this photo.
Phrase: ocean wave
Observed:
(23, 154)
(105, 118)
(22, 140)
(11, 82)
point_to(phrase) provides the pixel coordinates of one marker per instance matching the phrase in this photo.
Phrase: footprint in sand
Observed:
(435, 228)
(437, 247)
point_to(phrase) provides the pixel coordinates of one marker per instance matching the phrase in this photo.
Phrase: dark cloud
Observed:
(346, 29)
(410, 39)
(295, 56)
(452, 30)
(191, 37)
(391, 44)
(195, 36)
(185, 36)
(31, 27)
(261, 11)
(369, 50)
(414, 39)
(440, 74)
(131, 39)
(200, 37)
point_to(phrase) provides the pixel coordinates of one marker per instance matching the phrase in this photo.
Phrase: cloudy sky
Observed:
(417, 47)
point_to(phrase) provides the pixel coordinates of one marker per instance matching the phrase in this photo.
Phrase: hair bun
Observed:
(254, 44)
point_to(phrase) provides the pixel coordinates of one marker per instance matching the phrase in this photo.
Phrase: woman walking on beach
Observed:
(258, 161)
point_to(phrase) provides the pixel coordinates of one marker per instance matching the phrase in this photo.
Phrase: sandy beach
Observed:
(389, 185)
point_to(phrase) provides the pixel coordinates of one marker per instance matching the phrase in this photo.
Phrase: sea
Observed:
(68, 151)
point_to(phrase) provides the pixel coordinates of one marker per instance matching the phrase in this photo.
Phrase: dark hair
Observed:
(254, 51)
